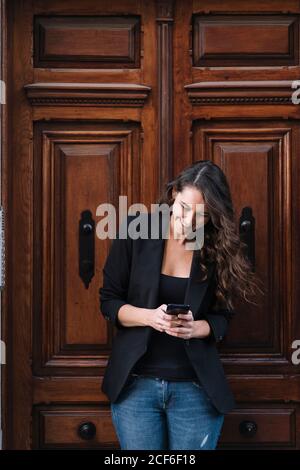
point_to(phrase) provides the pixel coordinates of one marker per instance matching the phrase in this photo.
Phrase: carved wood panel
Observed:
(77, 167)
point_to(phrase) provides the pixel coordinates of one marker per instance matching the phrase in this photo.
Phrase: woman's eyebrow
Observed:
(185, 203)
(205, 212)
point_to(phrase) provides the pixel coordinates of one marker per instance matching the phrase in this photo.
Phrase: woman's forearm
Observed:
(129, 315)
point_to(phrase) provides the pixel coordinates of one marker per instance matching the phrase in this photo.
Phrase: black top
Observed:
(166, 356)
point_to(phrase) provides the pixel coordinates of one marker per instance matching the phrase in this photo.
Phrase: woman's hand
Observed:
(159, 320)
(187, 327)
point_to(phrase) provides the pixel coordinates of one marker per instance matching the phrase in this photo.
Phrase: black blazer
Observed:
(131, 275)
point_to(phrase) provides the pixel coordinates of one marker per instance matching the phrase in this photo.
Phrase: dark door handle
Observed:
(86, 247)
(247, 233)
(248, 428)
(87, 431)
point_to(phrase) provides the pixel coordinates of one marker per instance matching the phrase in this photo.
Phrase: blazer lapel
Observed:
(196, 289)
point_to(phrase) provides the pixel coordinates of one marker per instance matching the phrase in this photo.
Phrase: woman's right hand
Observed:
(159, 320)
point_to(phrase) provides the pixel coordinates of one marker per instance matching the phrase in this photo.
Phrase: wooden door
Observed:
(234, 63)
(115, 98)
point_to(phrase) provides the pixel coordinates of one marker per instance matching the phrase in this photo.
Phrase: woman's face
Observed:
(189, 211)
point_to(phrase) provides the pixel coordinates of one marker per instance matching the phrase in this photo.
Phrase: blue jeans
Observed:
(154, 413)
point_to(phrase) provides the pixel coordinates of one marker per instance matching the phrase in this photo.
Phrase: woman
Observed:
(164, 377)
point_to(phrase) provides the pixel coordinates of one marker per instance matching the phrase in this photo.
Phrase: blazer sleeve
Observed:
(116, 273)
(218, 321)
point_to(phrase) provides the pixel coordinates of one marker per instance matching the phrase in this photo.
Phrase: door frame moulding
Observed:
(6, 324)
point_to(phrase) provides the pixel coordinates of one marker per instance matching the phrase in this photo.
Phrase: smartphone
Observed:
(175, 309)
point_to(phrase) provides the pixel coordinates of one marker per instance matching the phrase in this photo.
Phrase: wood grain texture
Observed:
(238, 92)
(245, 40)
(88, 41)
(87, 94)
(165, 12)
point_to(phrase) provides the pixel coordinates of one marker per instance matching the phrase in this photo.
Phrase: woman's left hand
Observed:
(187, 327)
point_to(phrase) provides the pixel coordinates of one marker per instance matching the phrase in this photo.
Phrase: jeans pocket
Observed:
(196, 384)
(200, 387)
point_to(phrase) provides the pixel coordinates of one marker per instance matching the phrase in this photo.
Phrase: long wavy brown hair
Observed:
(234, 275)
